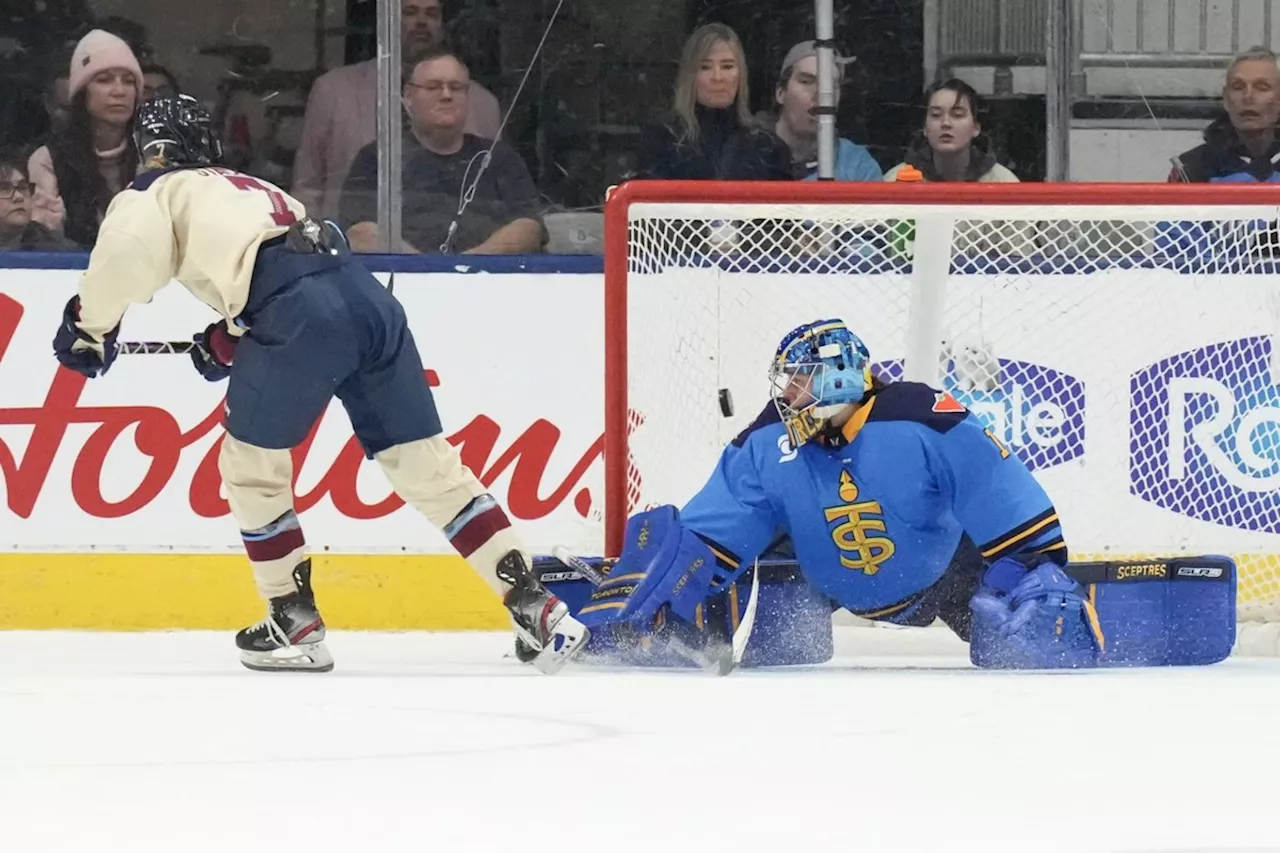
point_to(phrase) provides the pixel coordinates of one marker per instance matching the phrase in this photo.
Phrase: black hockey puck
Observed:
(726, 403)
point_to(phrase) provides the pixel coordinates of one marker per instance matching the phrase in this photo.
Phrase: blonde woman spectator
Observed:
(81, 169)
(951, 146)
(711, 134)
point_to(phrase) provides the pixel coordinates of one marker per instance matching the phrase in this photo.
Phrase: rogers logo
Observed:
(158, 436)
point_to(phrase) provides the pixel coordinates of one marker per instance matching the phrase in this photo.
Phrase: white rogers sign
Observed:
(128, 462)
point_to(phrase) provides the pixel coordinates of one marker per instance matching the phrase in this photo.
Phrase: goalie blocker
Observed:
(1174, 612)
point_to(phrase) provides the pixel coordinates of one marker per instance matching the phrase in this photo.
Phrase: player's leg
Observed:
(259, 485)
(951, 594)
(394, 415)
(285, 373)
(948, 598)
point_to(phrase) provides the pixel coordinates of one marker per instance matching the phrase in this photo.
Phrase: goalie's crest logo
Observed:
(856, 526)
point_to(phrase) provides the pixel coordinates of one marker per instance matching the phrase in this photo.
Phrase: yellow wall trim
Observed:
(141, 592)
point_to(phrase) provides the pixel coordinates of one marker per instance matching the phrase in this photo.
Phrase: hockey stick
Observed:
(743, 634)
(723, 660)
(156, 347)
(184, 347)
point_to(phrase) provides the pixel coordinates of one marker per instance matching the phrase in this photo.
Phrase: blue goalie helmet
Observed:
(818, 369)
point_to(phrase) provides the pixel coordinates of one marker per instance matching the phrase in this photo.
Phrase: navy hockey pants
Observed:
(322, 326)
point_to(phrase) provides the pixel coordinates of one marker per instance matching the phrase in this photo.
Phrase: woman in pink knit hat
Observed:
(82, 169)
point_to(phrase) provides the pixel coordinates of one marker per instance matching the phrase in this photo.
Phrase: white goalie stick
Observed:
(184, 347)
(718, 661)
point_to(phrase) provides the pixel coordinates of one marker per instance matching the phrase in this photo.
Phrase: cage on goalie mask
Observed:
(818, 369)
(175, 130)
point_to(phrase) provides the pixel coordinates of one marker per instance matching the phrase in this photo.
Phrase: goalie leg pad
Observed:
(662, 563)
(1178, 612)
(792, 626)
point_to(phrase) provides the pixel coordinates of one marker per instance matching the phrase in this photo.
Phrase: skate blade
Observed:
(309, 657)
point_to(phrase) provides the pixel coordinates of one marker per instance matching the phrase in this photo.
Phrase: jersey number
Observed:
(1004, 451)
(280, 212)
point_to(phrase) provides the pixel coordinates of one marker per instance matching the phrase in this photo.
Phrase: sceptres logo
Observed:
(1036, 411)
(1204, 434)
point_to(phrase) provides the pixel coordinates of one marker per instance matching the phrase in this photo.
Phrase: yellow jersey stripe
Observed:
(1018, 537)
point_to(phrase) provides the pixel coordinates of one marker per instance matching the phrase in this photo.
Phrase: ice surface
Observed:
(162, 742)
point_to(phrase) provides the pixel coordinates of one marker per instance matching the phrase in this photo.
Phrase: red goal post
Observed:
(1117, 336)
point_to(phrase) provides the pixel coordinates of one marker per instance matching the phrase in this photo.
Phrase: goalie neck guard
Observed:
(818, 369)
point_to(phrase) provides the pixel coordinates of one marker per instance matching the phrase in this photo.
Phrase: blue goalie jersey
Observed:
(877, 513)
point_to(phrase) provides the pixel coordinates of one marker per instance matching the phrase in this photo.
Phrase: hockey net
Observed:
(1118, 338)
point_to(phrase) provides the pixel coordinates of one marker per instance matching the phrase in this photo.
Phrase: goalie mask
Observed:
(819, 369)
(175, 130)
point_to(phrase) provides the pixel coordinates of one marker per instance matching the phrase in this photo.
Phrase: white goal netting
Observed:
(1124, 352)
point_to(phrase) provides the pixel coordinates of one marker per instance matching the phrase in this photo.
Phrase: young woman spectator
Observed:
(17, 230)
(711, 134)
(82, 169)
(951, 146)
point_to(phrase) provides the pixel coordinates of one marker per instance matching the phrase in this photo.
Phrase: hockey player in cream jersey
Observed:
(302, 322)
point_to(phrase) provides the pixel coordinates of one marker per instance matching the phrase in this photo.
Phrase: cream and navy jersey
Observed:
(200, 226)
(877, 513)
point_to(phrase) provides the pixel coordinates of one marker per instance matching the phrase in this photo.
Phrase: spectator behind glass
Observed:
(440, 161)
(158, 82)
(796, 124)
(1240, 147)
(341, 116)
(80, 171)
(952, 147)
(712, 136)
(57, 97)
(17, 230)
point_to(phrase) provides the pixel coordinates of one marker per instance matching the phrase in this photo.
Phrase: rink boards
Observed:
(111, 515)
(110, 511)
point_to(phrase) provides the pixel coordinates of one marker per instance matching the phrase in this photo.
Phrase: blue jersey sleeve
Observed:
(732, 513)
(992, 494)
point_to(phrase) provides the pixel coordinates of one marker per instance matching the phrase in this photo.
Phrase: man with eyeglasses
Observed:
(341, 115)
(17, 230)
(441, 163)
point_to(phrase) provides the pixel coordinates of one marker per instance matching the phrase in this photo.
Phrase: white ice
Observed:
(162, 742)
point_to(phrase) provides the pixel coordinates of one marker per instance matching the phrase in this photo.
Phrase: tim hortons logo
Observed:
(159, 438)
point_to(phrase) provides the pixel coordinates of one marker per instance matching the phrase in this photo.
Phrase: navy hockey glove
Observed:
(214, 352)
(1037, 618)
(84, 359)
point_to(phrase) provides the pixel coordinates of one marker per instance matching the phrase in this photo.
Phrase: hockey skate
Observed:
(546, 635)
(291, 638)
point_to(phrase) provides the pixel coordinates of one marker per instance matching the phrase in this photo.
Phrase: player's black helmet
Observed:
(176, 130)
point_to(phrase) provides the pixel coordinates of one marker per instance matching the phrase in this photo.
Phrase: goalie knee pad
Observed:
(1034, 618)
